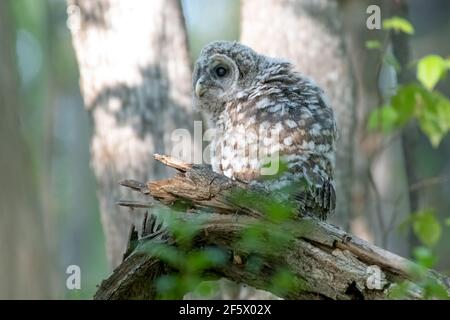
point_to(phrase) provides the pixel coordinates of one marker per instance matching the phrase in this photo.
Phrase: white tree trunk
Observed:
(135, 80)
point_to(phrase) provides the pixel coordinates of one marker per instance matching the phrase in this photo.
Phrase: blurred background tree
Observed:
(25, 262)
(47, 152)
(135, 80)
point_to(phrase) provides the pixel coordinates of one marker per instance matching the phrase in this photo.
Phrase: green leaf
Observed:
(434, 116)
(166, 283)
(424, 257)
(373, 44)
(197, 261)
(398, 25)
(384, 118)
(285, 281)
(405, 102)
(399, 290)
(430, 108)
(206, 289)
(447, 222)
(167, 253)
(430, 70)
(434, 289)
(253, 239)
(416, 270)
(426, 227)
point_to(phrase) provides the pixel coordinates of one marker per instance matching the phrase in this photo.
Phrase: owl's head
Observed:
(222, 70)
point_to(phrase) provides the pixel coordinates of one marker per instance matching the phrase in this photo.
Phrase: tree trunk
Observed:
(24, 259)
(308, 33)
(410, 134)
(379, 183)
(326, 262)
(135, 81)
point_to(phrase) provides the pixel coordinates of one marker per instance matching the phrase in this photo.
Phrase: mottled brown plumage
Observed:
(263, 111)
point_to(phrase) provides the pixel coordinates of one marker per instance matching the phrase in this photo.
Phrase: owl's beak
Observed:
(199, 89)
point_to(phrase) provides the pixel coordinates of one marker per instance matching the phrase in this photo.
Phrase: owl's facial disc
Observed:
(216, 80)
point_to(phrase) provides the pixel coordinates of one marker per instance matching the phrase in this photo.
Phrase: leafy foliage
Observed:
(413, 102)
(373, 44)
(428, 230)
(426, 227)
(422, 103)
(191, 265)
(431, 69)
(419, 102)
(398, 24)
(384, 118)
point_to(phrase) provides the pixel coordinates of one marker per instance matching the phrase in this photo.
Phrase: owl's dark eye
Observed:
(220, 71)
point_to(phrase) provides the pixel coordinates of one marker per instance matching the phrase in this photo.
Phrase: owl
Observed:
(274, 128)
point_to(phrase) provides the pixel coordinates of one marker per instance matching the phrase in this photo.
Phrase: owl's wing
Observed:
(319, 202)
(307, 148)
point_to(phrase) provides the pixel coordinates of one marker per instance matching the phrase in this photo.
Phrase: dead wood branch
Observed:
(329, 262)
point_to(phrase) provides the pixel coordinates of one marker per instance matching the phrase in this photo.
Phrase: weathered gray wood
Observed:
(329, 262)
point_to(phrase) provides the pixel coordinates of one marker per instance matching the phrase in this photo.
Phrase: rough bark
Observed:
(308, 33)
(24, 259)
(329, 262)
(135, 81)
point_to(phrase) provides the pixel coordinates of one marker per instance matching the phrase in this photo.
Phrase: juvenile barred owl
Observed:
(263, 109)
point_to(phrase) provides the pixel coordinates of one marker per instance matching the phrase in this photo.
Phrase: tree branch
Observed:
(327, 261)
